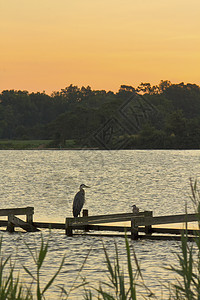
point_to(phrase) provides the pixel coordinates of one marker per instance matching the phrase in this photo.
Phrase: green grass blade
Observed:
(109, 265)
(42, 253)
(29, 273)
(54, 277)
(130, 270)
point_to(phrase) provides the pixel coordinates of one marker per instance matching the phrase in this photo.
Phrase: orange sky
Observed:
(49, 44)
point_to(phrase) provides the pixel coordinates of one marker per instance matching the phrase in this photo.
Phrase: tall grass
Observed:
(38, 259)
(10, 286)
(187, 285)
(119, 285)
(118, 289)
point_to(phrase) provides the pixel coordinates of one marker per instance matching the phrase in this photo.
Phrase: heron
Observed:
(79, 201)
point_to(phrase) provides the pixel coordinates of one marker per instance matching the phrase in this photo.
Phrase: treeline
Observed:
(77, 113)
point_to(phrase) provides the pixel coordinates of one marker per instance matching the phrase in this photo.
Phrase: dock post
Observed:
(134, 230)
(85, 214)
(148, 228)
(29, 216)
(68, 228)
(10, 226)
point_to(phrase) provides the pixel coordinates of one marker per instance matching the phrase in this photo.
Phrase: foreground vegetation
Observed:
(186, 287)
(74, 113)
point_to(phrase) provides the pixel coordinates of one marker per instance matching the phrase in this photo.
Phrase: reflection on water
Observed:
(48, 180)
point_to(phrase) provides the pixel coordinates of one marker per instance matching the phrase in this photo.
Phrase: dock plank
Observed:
(49, 225)
(104, 218)
(17, 211)
(182, 218)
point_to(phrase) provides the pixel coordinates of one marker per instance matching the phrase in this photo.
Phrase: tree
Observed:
(164, 84)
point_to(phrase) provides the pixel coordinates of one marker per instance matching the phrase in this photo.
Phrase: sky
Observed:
(46, 45)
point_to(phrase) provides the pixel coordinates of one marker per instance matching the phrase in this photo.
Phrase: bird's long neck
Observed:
(82, 191)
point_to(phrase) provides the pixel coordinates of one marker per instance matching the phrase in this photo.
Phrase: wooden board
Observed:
(105, 218)
(49, 225)
(141, 221)
(17, 211)
(19, 223)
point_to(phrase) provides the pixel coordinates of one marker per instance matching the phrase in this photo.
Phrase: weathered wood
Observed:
(49, 225)
(140, 229)
(17, 211)
(104, 228)
(141, 222)
(104, 218)
(29, 218)
(46, 225)
(148, 228)
(145, 221)
(110, 216)
(10, 226)
(141, 219)
(3, 223)
(173, 231)
(14, 221)
(85, 214)
(134, 230)
(20, 223)
(68, 228)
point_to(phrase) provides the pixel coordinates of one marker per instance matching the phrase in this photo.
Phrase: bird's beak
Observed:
(87, 186)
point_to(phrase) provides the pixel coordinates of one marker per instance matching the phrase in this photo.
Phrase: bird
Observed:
(135, 209)
(79, 201)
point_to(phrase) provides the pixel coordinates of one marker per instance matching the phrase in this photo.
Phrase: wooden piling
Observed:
(134, 230)
(148, 228)
(68, 227)
(29, 218)
(85, 214)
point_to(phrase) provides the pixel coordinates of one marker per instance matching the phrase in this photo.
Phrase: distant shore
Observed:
(69, 145)
(35, 145)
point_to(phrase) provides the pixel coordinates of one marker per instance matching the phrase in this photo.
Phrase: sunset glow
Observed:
(49, 44)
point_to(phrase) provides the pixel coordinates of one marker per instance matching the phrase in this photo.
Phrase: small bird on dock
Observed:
(79, 201)
(135, 209)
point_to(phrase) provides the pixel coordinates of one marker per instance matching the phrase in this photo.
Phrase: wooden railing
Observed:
(141, 220)
(14, 221)
(89, 222)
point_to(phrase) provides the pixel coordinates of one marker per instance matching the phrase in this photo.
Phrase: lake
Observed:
(156, 180)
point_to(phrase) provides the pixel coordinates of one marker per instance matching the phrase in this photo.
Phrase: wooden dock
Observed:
(143, 222)
(142, 225)
(14, 221)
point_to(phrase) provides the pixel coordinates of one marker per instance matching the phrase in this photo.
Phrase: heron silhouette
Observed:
(79, 201)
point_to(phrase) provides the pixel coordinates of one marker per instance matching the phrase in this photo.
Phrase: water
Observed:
(155, 180)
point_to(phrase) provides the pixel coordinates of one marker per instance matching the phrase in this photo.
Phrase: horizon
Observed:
(79, 87)
(49, 45)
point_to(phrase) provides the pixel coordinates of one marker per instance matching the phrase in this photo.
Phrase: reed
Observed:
(187, 285)
(10, 286)
(38, 259)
